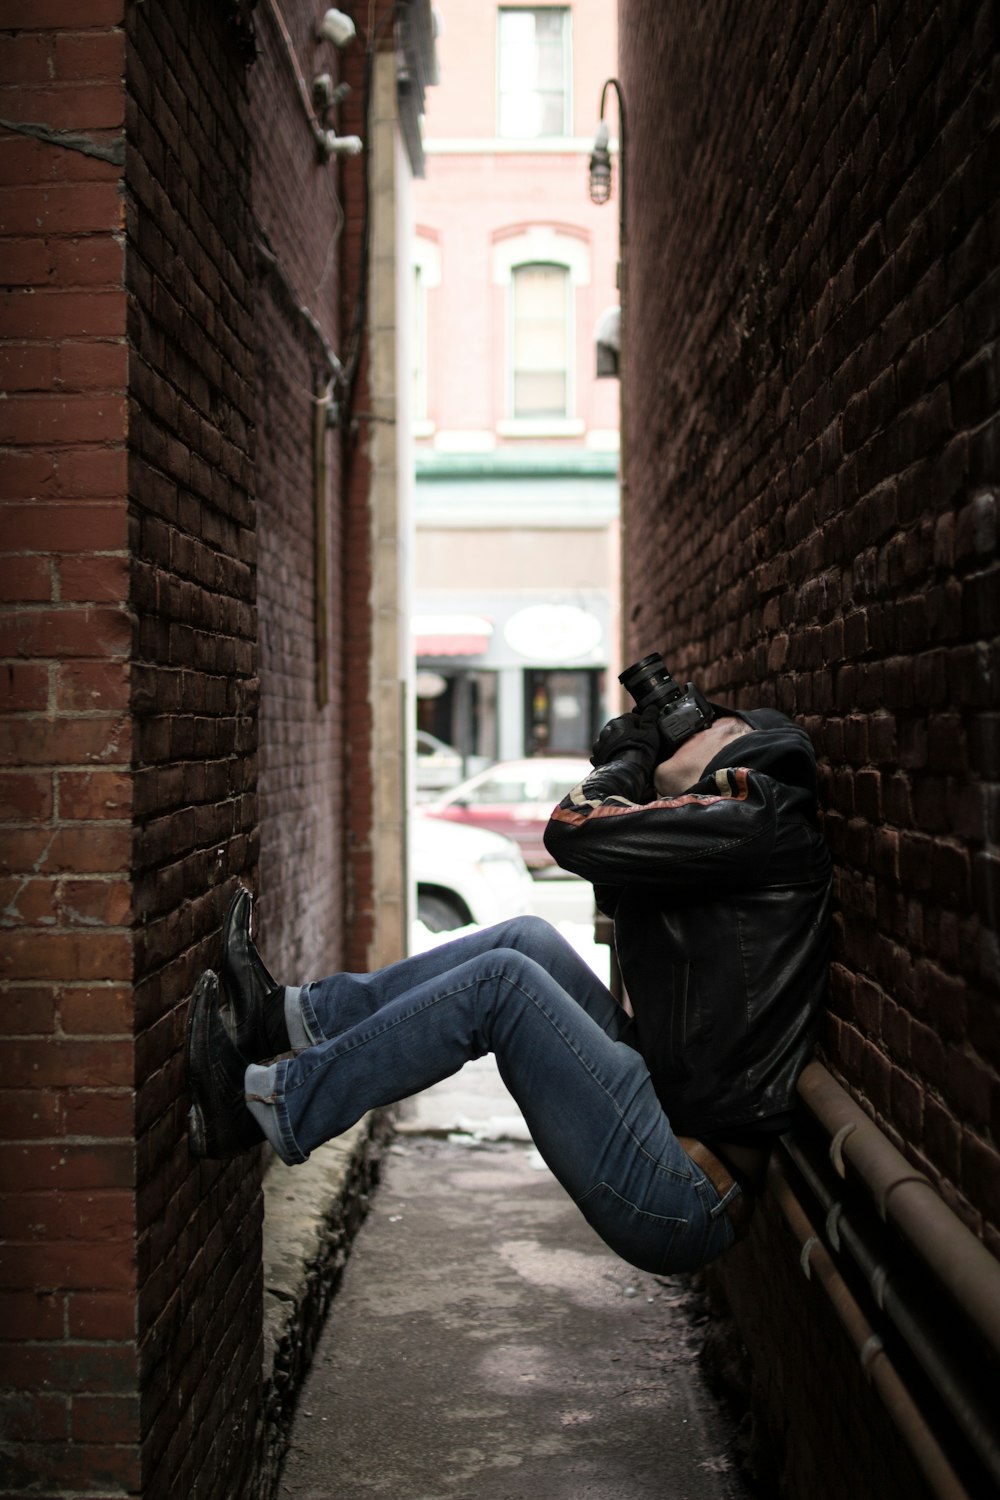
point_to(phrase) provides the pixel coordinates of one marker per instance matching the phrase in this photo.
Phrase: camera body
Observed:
(682, 714)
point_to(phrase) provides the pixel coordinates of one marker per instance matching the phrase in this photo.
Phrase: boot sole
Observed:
(203, 1079)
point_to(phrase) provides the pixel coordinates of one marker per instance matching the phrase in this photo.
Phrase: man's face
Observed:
(685, 766)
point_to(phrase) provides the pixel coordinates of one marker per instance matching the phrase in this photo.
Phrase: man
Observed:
(710, 860)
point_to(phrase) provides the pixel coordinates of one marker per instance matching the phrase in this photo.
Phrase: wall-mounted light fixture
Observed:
(612, 326)
(607, 335)
(600, 166)
(336, 27)
(600, 156)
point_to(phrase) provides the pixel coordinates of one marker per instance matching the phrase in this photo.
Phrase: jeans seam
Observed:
(281, 1113)
(381, 1031)
(643, 1213)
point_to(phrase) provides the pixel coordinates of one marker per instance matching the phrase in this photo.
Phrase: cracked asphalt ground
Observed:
(486, 1345)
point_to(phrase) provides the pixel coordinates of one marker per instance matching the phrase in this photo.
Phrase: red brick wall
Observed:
(155, 375)
(68, 1408)
(302, 808)
(812, 440)
(191, 379)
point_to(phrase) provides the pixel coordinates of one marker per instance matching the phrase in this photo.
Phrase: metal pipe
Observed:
(815, 1261)
(955, 1386)
(907, 1200)
(321, 541)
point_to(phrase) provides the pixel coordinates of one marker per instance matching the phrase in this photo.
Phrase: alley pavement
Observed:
(486, 1345)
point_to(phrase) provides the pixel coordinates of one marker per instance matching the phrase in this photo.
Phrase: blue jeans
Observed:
(563, 1048)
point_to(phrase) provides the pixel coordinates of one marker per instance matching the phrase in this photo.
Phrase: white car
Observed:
(466, 875)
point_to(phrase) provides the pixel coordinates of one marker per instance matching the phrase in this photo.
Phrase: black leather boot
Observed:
(219, 1123)
(256, 1003)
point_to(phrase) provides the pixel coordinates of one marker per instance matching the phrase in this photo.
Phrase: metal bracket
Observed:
(836, 1148)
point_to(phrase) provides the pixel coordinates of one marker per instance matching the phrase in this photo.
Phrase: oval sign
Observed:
(553, 632)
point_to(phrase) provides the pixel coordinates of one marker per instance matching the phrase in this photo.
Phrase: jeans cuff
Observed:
(309, 1018)
(264, 1087)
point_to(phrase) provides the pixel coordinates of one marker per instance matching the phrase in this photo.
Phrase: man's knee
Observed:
(531, 935)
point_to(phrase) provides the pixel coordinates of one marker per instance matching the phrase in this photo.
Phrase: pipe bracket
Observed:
(833, 1224)
(837, 1147)
(808, 1247)
(870, 1350)
(879, 1280)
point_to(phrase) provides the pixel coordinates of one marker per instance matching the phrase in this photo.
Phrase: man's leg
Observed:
(328, 1007)
(587, 1098)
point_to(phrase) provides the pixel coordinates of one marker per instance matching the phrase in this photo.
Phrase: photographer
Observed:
(698, 828)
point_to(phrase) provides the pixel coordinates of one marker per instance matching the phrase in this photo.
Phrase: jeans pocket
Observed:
(650, 1242)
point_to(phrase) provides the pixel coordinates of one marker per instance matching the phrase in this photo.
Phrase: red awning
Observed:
(451, 645)
(450, 635)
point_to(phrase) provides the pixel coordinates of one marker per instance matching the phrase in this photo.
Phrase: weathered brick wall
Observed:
(151, 360)
(812, 442)
(299, 222)
(190, 279)
(68, 1410)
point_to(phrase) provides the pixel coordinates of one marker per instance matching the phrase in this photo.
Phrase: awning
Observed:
(450, 635)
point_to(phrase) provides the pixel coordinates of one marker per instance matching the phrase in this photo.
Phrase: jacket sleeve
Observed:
(718, 837)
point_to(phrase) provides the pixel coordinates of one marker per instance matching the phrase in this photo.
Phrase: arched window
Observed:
(540, 267)
(540, 342)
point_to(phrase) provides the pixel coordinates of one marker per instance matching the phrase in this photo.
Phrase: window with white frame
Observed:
(540, 268)
(540, 342)
(533, 82)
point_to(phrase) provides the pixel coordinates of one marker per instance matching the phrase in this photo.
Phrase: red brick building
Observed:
(811, 426)
(201, 666)
(516, 439)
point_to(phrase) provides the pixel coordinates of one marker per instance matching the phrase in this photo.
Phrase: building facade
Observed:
(515, 624)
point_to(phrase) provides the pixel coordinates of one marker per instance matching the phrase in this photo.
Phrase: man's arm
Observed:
(717, 837)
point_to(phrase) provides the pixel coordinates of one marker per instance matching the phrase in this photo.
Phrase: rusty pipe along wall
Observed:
(816, 1261)
(929, 1277)
(908, 1201)
(915, 1313)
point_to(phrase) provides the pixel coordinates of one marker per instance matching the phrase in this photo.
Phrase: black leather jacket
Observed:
(720, 899)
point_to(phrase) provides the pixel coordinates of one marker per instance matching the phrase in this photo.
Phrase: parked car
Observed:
(466, 875)
(439, 766)
(515, 798)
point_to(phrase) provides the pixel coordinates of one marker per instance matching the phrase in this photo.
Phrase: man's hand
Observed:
(632, 736)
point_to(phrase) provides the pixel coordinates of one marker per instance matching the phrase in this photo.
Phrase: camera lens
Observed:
(648, 682)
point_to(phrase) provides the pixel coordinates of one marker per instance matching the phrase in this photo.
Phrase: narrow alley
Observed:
(485, 1345)
(377, 381)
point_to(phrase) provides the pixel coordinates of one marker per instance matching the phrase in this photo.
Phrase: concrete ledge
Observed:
(311, 1215)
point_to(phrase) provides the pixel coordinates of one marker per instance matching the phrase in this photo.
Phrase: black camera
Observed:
(682, 714)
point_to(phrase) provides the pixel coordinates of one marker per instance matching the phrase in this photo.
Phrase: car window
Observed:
(496, 789)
